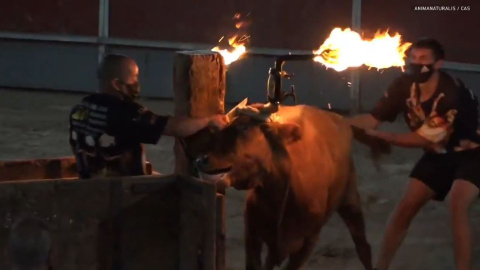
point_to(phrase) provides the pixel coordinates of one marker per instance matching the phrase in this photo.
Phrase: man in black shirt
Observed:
(443, 118)
(108, 129)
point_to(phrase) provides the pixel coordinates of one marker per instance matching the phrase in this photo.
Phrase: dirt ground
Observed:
(34, 125)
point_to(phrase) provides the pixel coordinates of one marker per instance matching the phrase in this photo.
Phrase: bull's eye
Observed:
(242, 128)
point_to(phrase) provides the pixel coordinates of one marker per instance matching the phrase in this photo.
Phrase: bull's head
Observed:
(250, 148)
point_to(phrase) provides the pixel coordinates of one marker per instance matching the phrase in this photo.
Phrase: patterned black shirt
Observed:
(108, 133)
(445, 106)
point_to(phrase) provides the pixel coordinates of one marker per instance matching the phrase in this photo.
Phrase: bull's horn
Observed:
(233, 112)
(252, 112)
(260, 112)
(269, 108)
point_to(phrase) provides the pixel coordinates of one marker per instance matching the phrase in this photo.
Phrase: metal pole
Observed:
(103, 20)
(355, 74)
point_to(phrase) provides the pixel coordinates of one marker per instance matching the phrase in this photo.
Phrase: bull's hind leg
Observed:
(351, 213)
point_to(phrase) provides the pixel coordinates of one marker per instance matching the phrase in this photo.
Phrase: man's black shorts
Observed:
(438, 171)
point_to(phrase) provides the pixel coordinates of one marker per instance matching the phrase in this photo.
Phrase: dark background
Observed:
(300, 24)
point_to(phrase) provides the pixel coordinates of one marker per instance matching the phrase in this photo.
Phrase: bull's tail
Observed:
(377, 146)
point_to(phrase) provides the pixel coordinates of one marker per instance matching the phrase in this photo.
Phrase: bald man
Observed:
(29, 245)
(108, 129)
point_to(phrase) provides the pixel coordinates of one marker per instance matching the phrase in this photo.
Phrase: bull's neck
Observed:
(279, 174)
(275, 185)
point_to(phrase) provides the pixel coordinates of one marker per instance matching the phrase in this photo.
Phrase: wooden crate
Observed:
(148, 222)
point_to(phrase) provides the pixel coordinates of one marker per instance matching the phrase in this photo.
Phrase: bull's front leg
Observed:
(253, 251)
(299, 258)
(253, 242)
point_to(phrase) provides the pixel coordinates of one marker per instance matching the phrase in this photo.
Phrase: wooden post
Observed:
(199, 91)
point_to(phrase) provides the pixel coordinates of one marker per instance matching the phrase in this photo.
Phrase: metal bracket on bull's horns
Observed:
(276, 74)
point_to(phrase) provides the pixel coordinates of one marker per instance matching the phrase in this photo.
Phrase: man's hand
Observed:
(218, 121)
(373, 132)
(378, 145)
(363, 121)
(181, 126)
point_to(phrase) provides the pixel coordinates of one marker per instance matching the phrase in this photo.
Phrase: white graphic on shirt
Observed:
(106, 140)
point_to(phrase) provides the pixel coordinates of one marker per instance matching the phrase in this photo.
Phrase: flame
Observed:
(235, 54)
(346, 48)
(236, 42)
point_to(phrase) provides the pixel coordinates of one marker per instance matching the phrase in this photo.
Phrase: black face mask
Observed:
(420, 73)
(133, 90)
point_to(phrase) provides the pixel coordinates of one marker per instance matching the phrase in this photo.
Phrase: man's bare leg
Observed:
(416, 195)
(462, 196)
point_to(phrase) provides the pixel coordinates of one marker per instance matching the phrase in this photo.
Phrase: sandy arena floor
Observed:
(34, 125)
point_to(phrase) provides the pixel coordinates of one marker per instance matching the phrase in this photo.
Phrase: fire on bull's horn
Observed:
(343, 49)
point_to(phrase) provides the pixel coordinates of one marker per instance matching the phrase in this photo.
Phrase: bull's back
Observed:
(319, 127)
(322, 156)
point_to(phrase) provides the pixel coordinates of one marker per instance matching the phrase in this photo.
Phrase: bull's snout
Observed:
(216, 175)
(201, 162)
(204, 164)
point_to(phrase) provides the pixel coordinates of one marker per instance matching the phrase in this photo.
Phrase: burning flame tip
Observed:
(346, 48)
(235, 54)
(237, 43)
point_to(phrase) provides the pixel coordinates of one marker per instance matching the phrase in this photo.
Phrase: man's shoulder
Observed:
(403, 80)
(449, 80)
(99, 98)
(400, 85)
(452, 86)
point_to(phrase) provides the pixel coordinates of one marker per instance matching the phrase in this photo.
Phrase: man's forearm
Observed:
(364, 121)
(412, 140)
(182, 126)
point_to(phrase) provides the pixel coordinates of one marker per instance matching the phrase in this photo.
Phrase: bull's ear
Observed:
(290, 132)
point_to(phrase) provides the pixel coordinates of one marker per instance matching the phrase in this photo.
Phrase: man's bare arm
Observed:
(181, 126)
(412, 140)
(364, 121)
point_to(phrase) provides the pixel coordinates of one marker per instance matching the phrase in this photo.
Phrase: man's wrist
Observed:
(387, 136)
(208, 121)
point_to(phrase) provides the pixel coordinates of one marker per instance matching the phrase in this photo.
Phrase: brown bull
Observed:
(299, 171)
